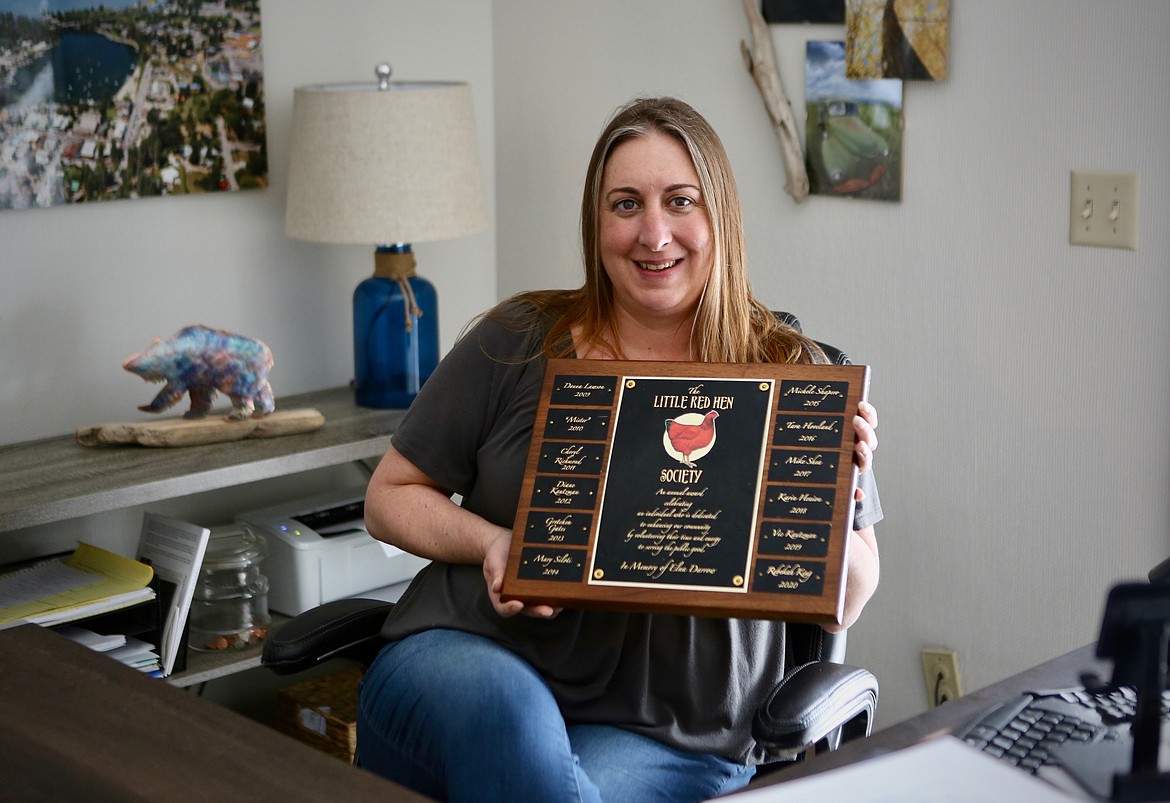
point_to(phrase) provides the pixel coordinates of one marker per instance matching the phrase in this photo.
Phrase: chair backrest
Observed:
(835, 355)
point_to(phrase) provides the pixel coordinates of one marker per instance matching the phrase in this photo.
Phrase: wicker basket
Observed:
(322, 712)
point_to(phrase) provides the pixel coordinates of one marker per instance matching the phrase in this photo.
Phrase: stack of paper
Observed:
(95, 641)
(129, 651)
(88, 582)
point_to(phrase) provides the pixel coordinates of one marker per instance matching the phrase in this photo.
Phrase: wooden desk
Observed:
(76, 725)
(951, 716)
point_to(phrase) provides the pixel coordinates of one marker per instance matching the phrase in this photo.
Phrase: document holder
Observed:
(143, 620)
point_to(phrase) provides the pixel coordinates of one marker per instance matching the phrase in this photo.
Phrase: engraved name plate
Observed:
(697, 488)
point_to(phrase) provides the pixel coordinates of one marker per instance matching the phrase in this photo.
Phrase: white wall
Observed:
(84, 287)
(1023, 460)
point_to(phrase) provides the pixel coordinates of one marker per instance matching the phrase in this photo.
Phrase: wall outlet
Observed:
(1103, 209)
(940, 670)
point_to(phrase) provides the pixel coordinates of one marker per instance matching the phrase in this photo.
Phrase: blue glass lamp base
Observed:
(391, 361)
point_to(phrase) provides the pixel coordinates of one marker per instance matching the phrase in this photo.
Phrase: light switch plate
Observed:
(1103, 209)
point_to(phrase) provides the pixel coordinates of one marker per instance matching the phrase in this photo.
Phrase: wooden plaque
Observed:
(697, 488)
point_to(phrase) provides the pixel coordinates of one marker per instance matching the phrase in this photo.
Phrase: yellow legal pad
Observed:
(91, 580)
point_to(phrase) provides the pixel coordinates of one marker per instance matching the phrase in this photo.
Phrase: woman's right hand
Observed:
(495, 564)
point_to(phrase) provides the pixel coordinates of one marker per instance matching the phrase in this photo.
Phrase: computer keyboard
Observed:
(1040, 729)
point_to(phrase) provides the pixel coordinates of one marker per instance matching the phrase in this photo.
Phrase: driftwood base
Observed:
(191, 432)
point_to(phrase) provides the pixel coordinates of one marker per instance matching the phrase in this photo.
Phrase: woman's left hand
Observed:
(865, 425)
(495, 564)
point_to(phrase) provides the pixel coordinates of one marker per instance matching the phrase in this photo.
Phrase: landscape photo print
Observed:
(853, 129)
(107, 99)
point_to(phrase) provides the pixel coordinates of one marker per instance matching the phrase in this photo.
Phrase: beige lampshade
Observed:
(373, 166)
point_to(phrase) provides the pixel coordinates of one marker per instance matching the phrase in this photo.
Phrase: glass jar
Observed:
(230, 606)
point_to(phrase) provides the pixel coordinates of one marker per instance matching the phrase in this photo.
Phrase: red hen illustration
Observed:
(690, 436)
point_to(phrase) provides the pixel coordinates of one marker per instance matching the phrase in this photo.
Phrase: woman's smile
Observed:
(659, 266)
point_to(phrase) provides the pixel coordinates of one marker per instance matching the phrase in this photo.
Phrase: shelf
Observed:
(55, 479)
(205, 666)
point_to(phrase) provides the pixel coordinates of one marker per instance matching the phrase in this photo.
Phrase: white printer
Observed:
(319, 551)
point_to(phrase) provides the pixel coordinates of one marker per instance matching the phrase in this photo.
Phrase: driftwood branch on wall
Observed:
(761, 63)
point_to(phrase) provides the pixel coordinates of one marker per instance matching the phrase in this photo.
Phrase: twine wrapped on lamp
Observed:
(386, 164)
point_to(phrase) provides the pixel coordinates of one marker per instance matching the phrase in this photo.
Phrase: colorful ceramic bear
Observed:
(200, 361)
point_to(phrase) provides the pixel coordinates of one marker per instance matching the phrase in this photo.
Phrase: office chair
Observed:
(820, 703)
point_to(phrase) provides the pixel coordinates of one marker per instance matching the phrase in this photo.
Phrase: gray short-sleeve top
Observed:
(691, 682)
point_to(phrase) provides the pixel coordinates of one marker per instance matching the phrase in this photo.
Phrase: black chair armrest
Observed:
(344, 628)
(811, 703)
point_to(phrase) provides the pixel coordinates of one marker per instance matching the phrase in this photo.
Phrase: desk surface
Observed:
(1058, 673)
(76, 725)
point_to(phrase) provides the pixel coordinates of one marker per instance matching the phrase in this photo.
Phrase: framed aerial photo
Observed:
(699, 488)
(853, 129)
(906, 39)
(106, 99)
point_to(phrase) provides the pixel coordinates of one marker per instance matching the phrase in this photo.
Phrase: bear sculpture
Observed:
(200, 361)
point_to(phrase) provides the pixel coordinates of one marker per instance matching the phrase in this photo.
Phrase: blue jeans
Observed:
(458, 717)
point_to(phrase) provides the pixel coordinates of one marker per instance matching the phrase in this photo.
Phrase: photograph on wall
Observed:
(853, 129)
(106, 99)
(905, 39)
(810, 11)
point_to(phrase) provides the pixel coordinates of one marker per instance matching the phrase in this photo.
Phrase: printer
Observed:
(319, 551)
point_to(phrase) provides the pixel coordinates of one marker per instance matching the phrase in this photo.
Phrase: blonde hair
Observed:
(731, 325)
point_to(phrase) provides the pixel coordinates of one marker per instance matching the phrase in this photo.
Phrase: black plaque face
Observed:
(582, 391)
(697, 488)
(553, 565)
(798, 539)
(578, 424)
(559, 528)
(811, 431)
(682, 484)
(572, 458)
(803, 466)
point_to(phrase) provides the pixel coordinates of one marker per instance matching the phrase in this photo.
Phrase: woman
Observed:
(480, 699)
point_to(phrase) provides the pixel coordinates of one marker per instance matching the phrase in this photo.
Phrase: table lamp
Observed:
(386, 164)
